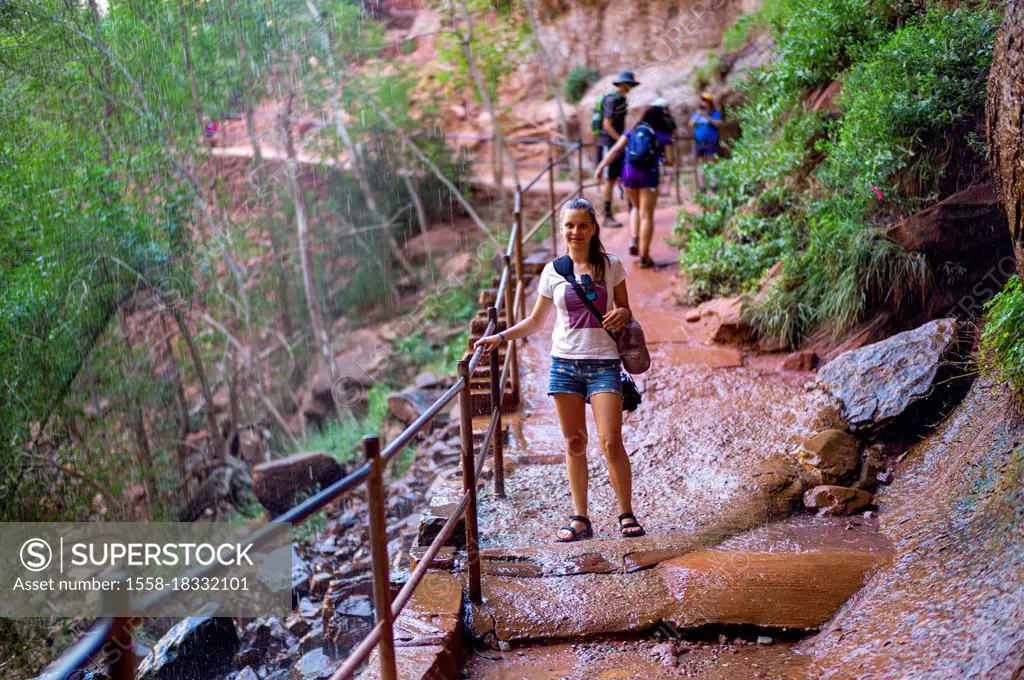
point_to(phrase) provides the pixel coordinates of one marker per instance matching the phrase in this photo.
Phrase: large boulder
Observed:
(964, 241)
(968, 224)
(878, 383)
(829, 499)
(409, 405)
(829, 457)
(276, 483)
(197, 647)
(725, 323)
(1005, 112)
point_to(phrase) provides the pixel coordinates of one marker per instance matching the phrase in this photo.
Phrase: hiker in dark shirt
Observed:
(613, 123)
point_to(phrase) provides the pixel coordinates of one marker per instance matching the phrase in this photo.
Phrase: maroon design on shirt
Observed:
(580, 315)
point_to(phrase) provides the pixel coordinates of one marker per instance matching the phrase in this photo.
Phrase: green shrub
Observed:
(578, 82)
(341, 438)
(736, 35)
(844, 269)
(927, 77)
(1002, 342)
(797, 187)
(818, 39)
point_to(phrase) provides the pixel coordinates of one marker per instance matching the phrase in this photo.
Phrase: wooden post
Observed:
(379, 557)
(120, 649)
(518, 254)
(469, 482)
(510, 320)
(678, 169)
(579, 169)
(497, 392)
(551, 200)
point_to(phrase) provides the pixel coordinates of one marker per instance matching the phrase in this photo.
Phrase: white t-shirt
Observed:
(578, 333)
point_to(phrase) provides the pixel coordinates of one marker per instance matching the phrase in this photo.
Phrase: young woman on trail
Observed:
(646, 146)
(584, 361)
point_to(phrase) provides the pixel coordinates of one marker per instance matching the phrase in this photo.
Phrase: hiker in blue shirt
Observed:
(706, 121)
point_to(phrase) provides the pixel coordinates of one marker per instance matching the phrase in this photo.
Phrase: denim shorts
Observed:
(585, 377)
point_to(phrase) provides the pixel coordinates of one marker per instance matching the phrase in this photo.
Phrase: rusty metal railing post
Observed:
(497, 392)
(469, 482)
(510, 320)
(579, 169)
(677, 170)
(379, 557)
(518, 254)
(551, 200)
(120, 648)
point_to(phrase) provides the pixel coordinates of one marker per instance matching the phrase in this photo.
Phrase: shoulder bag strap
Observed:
(563, 266)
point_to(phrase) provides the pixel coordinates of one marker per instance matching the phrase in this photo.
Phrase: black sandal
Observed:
(630, 525)
(587, 532)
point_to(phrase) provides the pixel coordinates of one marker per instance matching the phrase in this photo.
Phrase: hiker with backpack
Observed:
(587, 287)
(645, 148)
(608, 122)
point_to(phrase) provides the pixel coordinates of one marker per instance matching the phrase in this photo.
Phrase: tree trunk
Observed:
(499, 139)
(358, 167)
(137, 423)
(179, 385)
(302, 230)
(197, 104)
(1005, 113)
(204, 384)
(278, 248)
(549, 66)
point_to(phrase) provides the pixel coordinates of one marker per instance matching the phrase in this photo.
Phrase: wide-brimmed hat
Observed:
(626, 78)
(660, 103)
(707, 96)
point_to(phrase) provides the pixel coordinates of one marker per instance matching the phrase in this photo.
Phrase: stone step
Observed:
(479, 324)
(481, 400)
(794, 574)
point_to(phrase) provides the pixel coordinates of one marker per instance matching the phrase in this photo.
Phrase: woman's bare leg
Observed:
(634, 214)
(572, 416)
(648, 201)
(607, 407)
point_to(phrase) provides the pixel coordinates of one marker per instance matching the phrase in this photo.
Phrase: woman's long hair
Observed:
(658, 118)
(595, 253)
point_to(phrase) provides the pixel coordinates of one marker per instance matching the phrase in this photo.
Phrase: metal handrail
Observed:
(511, 302)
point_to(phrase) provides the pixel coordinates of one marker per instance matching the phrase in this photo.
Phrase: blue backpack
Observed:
(642, 147)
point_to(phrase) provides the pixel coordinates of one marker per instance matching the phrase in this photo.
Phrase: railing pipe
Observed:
(415, 426)
(469, 485)
(497, 392)
(359, 653)
(379, 558)
(435, 547)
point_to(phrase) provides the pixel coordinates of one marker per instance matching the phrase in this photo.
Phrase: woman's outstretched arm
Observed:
(527, 326)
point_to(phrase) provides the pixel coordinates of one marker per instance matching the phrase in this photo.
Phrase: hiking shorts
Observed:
(635, 178)
(585, 377)
(706, 149)
(614, 169)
